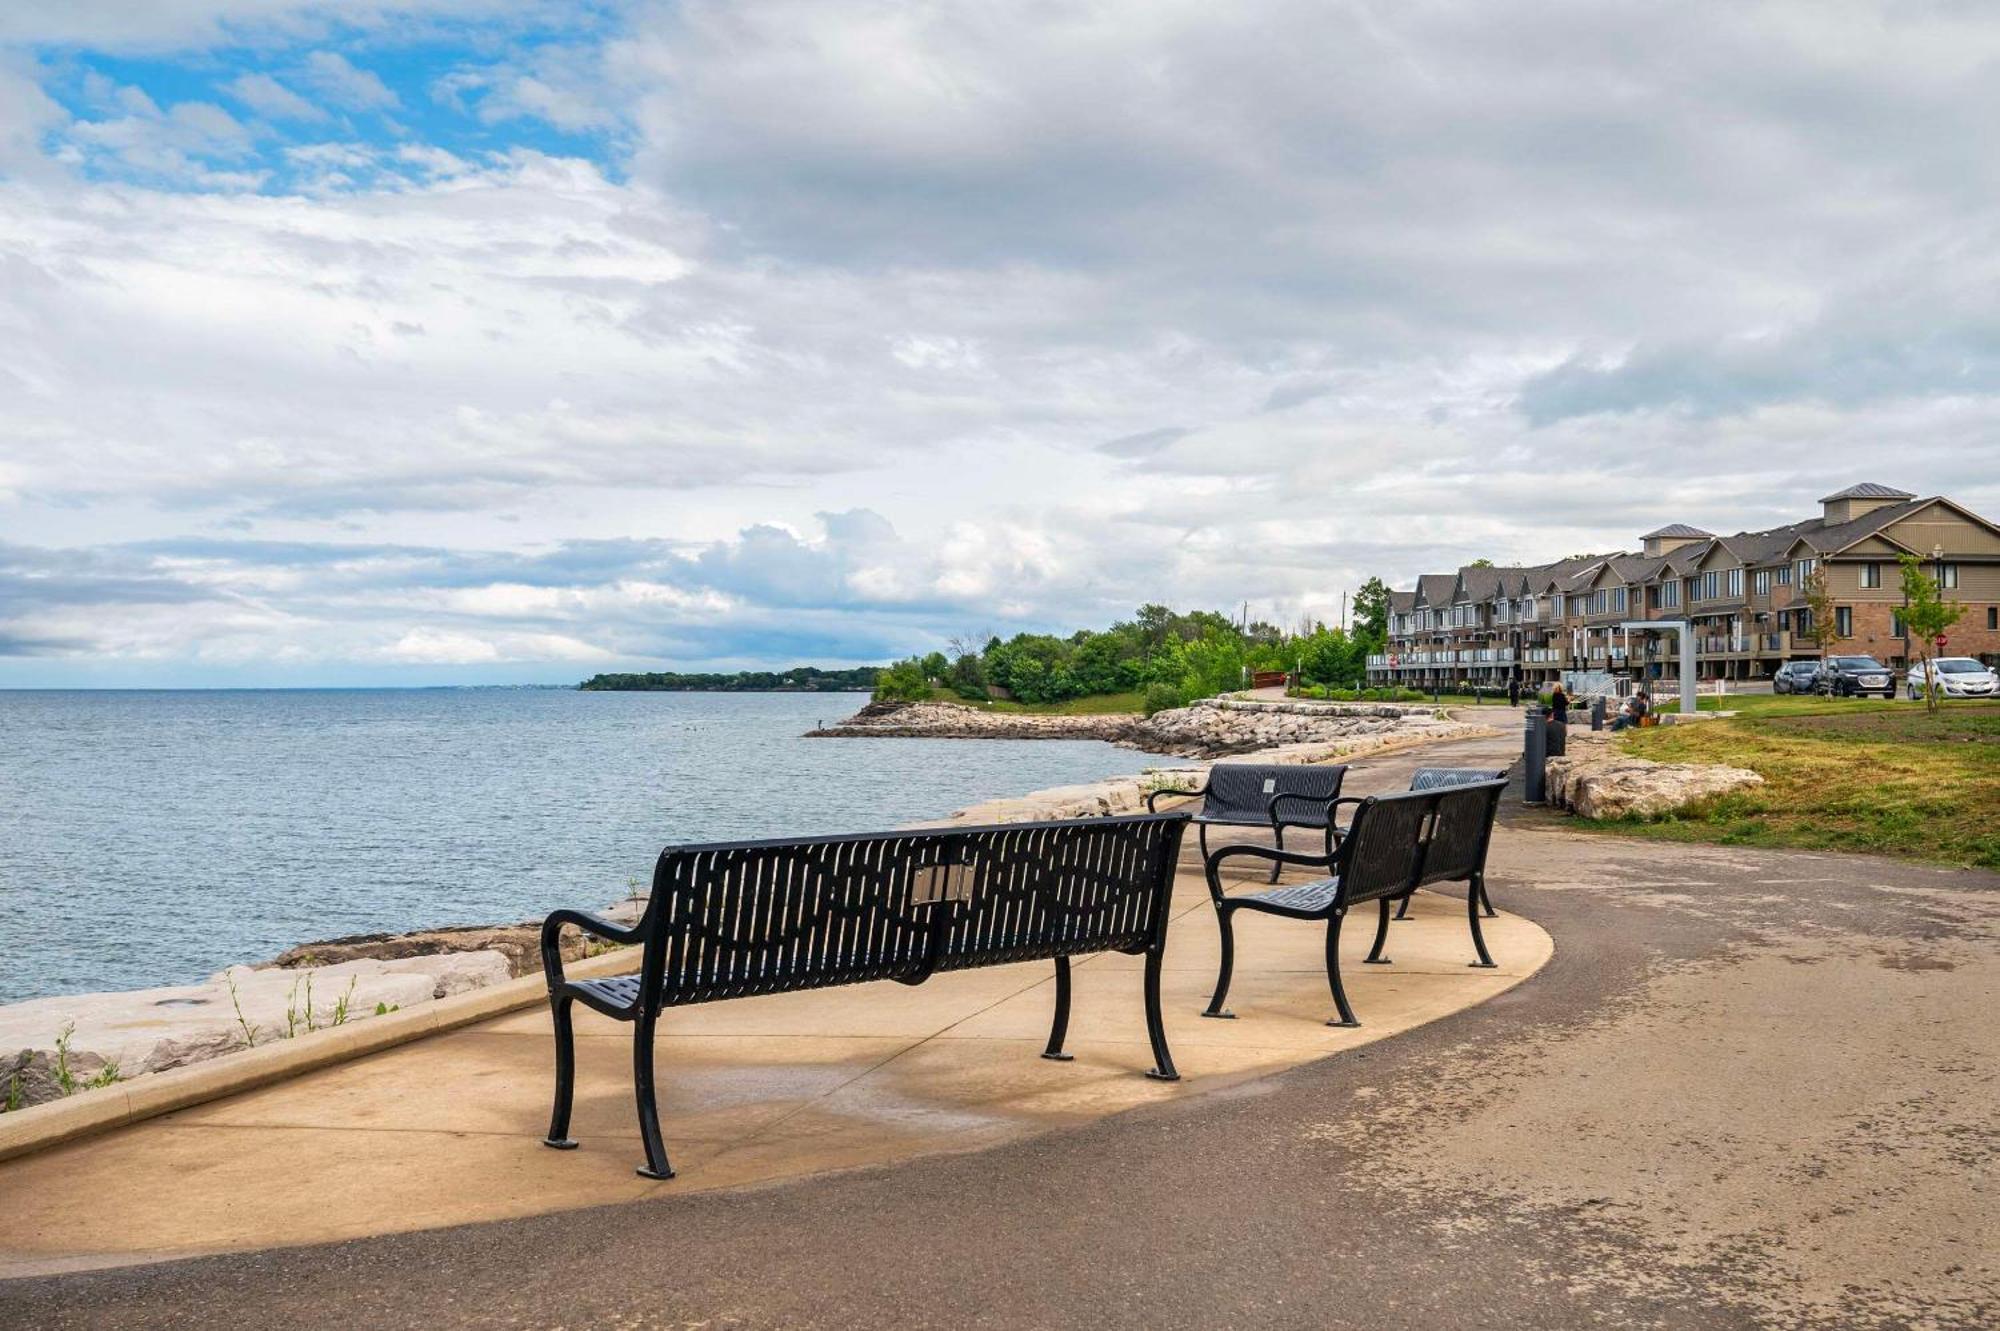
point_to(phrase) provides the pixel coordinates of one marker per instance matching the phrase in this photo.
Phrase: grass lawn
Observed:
(1097, 704)
(1841, 774)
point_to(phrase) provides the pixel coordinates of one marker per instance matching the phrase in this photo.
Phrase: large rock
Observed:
(149, 1030)
(1595, 780)
(35, 1076)
(519, 944)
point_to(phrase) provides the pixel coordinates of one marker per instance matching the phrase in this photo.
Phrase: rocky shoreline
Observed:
(70, 1044)
(1212, 728)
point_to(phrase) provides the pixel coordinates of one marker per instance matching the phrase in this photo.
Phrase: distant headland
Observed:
(799, 679)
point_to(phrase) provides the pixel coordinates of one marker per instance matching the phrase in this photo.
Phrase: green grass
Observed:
(1097, 704)
(1841, 774)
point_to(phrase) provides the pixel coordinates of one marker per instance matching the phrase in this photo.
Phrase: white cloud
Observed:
(1052, 315)
(344, 84)
(266, 96)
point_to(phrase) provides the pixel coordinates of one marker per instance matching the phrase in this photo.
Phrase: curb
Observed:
(115, 1106)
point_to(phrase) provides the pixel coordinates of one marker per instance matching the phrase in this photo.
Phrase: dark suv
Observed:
(1795, 677)
(1852, 676)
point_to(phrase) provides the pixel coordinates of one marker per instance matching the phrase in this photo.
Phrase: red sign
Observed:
(1940, 640)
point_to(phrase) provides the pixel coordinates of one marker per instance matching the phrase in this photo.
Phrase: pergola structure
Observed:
(1679, 626)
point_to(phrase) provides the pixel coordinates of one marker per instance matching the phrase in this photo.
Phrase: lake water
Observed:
(155, 837)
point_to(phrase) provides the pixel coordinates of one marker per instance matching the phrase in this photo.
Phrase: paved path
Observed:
(1751, 1089)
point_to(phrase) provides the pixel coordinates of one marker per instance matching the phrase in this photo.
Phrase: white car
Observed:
(1957, 677)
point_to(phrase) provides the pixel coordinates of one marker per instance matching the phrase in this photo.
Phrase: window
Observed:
(1618, 601)
(1803, 569)
(1597, 602)
(1556, 604)
(1760, 582)
(1993, 617)
(1947, 576)
(1871, 574)
(1709, 586)
(1784, 575)
(1670, 594)
(1843, 621)
(1736, 582)
(1897, 629)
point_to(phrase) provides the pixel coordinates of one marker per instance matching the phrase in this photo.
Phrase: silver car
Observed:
(1957, 677)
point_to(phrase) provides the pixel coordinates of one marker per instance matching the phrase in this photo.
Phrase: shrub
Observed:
(904, 681)
(1162, 697)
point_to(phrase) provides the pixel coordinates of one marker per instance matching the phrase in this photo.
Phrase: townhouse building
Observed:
(1742, 596)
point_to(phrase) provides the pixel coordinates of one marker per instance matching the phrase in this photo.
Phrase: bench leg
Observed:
(656, 1166)
(1279, 832)
(1333, 974)
(1060, 1027)
(1475, 892)
(559, 1136)
(1375, 957)
(1215, 1008)
(1403, 906)
(1156, 1030)
(1486, 902)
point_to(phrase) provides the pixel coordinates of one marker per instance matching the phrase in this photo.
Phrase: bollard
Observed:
(1535, 755)
(1597, 712)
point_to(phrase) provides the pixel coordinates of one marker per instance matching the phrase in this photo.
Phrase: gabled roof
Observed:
(1483, 584)
(1831, 538)
(1868, 490)
(1401, 602)
(1767, 546)
(1436, 588)
(1677, 529)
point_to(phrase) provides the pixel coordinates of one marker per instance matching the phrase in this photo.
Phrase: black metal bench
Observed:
(731, 919)
(1394, 845)
(1273, 795)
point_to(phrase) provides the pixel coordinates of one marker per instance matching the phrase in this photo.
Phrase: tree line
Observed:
(799, 679)
(1170, 657)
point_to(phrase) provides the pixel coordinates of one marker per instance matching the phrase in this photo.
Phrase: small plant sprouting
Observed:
(106, 1075)
(65, 1075)
(311, 1024)
(235, 1001)
(384, 1009)
(13, 1094)
(346, 1001)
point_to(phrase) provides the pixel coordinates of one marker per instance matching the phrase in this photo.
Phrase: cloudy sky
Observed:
(512, 340)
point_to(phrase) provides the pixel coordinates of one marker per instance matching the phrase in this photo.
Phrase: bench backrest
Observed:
(1242, 792)
(1461, 831)
(1383, 851)
(737, 918)
(1434, 778)
(1402, 841)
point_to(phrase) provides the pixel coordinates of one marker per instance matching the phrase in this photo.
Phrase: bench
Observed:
(731, 919)
(1273, 795)
(1394, 845)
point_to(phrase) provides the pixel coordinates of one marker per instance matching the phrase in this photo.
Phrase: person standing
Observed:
(1514, 691)
(1559, 705)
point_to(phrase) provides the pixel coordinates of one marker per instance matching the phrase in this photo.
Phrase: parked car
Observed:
(1957, 677)
(1795, 677)
(1852, 676)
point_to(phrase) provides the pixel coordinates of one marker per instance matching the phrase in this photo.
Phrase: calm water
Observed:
(153, 838)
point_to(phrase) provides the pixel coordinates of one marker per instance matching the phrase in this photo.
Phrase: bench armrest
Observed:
(1221, 853)
(1154, 795)
(1322, 805)
(552, 928)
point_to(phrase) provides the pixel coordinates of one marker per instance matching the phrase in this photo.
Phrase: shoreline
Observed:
(118, 1037)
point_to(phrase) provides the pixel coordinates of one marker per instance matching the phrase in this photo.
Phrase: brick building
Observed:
(1740, 593)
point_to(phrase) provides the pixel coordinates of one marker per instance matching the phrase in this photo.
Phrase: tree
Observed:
(1371, 615)
(1480, 563)
(1926, 615)
(1820, 625)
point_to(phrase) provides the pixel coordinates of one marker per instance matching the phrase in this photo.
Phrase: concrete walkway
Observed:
(445, 1131)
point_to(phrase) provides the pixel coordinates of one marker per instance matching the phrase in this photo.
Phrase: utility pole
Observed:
(1343, 611)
